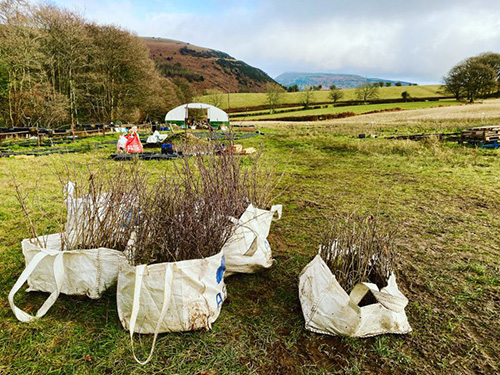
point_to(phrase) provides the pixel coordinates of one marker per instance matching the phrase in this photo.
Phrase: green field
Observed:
(357, 109)
(248, 100)
(442, 198)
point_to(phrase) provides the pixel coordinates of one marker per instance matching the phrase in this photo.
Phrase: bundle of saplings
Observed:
(101, 206)
(83, 258)
(173, 277)
(181, 217)
(359, 248)
(349, 288)
(252, 188)
(245, 179)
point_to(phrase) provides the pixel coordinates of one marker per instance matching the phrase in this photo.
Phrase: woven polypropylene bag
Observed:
(77, 272)
(328, 309)
(170, 297)
(248, 249)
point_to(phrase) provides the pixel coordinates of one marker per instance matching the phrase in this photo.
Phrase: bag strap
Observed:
(167, 294)
(234, 220)
(395, 303)
(58, 276)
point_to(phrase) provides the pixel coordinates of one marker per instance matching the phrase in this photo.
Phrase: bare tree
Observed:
(43, 107)
(274, 96)
(158, 100)
(215, 98)
(122, 75)
(66, 47)
(367, 91)
(183, 90)
(335, 95)
(307, 96)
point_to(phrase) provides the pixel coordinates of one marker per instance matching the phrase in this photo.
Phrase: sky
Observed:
(410, 40)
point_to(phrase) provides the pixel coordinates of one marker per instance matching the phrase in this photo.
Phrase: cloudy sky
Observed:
(417, 40)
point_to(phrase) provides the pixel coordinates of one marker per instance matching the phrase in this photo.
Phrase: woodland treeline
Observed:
(57, 69)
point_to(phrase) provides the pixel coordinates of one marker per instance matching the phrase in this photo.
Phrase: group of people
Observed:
(129, 141)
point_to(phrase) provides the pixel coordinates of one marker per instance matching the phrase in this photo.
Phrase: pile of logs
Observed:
(482, 133)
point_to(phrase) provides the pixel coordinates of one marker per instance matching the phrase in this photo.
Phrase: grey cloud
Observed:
(414, 40)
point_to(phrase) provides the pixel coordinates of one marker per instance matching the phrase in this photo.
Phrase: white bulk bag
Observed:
(81, 213)
(85, 214)
(76, 272)
(248, 250)
(170, 297)
(328, 309)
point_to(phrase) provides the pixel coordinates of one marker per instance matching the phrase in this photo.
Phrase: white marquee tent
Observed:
(181, 113)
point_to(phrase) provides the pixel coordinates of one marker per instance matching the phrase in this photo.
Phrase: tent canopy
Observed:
(180, 113)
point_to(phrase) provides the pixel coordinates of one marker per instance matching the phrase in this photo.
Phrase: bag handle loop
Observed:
(58, 276)
(167, 294)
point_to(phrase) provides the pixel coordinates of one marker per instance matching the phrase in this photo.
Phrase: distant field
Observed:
(248, 100)
(357, 109)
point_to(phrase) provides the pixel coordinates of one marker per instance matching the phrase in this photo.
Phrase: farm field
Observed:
(438, 119)
(248, 100)
(442, 198)
(357, 109)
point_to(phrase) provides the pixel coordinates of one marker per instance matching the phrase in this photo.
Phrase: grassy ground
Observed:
(16, 144)
(357, 109)
(443, 198)
(248, 100)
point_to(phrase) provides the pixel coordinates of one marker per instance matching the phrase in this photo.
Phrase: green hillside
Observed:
(249, 100)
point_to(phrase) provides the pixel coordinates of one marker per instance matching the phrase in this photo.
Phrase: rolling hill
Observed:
(343, 81)
(205, 68)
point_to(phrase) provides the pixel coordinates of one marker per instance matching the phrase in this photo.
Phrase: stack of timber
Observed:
(482, 136)
(482, 133)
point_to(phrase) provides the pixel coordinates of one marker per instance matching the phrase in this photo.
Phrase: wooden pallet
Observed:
(483, 133)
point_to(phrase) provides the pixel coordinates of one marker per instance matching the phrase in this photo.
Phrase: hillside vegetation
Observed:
(205, 68)
(56, 68)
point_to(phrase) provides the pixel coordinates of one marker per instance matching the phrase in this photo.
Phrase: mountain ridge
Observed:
(343, 81)
(205, 68)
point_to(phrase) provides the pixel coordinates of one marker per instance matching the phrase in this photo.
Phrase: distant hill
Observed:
(205, 68)
(343, 81)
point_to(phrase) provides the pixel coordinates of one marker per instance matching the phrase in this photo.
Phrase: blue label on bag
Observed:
(218, 299)
(220, 271)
